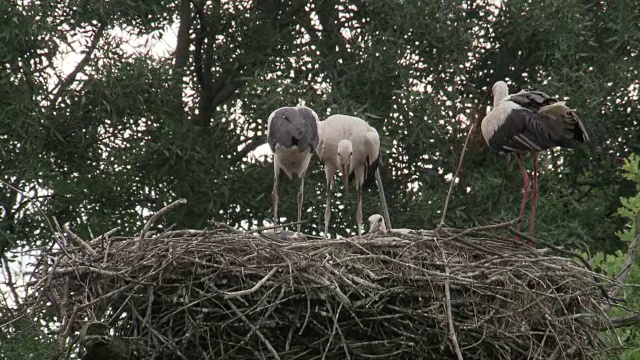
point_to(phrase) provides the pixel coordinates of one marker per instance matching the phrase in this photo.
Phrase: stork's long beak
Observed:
(345, 177)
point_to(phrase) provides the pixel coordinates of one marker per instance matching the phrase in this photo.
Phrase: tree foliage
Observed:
(97, 132)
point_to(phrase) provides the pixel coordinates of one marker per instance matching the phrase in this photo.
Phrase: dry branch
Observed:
(223, 293)
(629, 259)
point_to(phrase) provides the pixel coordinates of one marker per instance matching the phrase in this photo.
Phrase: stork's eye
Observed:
(380, 221)
(569, 113)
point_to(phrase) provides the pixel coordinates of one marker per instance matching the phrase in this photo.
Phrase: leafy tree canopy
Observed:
(98, 132)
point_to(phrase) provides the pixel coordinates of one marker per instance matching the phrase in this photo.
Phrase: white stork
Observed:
(376, 224)
(529, 122)
(348, 144)
(292, 136)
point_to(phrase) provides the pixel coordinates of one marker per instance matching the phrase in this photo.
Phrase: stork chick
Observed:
(293, 136)
(348, 144)
(529, 122)
(376, 225)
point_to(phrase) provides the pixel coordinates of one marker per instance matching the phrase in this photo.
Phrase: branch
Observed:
(447, 305)
(10, 284)
(455, 176)
(62, 87)
(155, 217)
(79, 242)
(251, 145)
(625, 321)
(181, 55)
(256, 287)
(629, 259)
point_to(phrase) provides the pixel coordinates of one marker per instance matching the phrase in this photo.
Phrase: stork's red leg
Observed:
(525, 191)
(534, 196)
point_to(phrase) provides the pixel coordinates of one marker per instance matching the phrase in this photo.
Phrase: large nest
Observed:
(222, 293)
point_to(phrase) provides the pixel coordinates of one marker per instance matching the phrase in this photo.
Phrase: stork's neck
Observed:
(500, 91)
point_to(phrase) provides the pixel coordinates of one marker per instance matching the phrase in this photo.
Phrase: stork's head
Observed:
(500, 90)
(376, 224)
(345, 154)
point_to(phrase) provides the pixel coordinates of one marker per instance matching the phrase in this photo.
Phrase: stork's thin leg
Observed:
(525, 191)
(274, 195)
(534, 195)
(359, 210)
(300, 199)
(327, 209)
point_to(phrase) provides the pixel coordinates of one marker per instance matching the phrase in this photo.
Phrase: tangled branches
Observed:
(226, 294)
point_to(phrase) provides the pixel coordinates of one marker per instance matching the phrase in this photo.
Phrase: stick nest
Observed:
(225, 294)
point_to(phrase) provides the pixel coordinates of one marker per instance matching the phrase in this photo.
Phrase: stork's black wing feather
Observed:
(293, 126)
(522, 131)
(533, 100)
(370, 171)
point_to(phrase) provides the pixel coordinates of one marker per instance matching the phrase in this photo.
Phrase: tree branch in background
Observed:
(629, 259)
(64, 85)
(625, 321)
(455, 175)
(181, 56)
(9, 283)
(203, 62)
(249, 146)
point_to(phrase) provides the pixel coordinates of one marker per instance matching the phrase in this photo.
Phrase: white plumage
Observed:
(349, 144)
(376, 225)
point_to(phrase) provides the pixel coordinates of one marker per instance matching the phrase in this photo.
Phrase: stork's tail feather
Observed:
(572, 129)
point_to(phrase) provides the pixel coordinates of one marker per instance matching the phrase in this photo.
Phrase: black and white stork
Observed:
(293, 137)
(529, 122)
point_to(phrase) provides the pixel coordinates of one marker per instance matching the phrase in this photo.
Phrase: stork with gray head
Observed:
(529, 122)
(292, 136)
(349, 144)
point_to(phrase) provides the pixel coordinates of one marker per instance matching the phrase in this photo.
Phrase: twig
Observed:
(107, 235)
(246, 321)
(155, 217)
(79, 308)
(479, 228)
(9, 282)
(79, 242)
(333, 330)
(279, 226)
(16, 318)
(62, 87)
(33, 201)
(235, 294)
(625, 321)
(447, 305)
(455, 176)
(629, 259)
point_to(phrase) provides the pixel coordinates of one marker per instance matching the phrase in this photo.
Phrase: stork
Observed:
(529, 122)
(376, 224)
(349, 144)
(292, 136)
